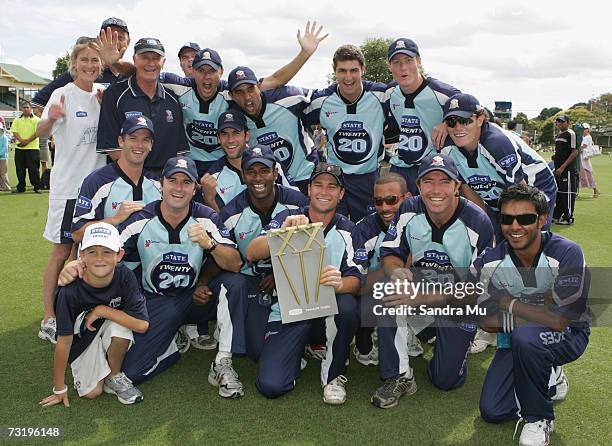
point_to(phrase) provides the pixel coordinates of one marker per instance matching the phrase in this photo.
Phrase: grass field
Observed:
(181, 408)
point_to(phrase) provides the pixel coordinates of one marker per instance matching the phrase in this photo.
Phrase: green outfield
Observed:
(181, 408)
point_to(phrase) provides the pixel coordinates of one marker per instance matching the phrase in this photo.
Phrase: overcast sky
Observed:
(535, 54)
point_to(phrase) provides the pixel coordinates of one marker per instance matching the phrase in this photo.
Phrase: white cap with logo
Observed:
(101, 234)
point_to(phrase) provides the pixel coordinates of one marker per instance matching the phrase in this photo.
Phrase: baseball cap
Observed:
(149, 44)
(133, 123)
(329, 168)
(101, 234)
(402, 46)
(194, 46)
(259, 154)
(562, 118)
(114, 21)
(241, 75)
(586, 125)
(180, 164)
(463, 105)
(233, 119)
(441, 162)
(207, 56)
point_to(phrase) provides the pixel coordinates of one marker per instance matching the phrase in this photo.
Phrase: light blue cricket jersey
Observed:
(355, 139)
(245, 222)
(501, 159)
(438, 252)
(200, 117)
(167, 260)
(415, 116)
(103, 191)
(279, 125)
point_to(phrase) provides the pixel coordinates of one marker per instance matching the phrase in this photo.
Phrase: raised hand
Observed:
(309, 42)
(58, 111)
(108, 41)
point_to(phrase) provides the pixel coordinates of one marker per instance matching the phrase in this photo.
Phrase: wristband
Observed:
(511, 305)
(60, 392)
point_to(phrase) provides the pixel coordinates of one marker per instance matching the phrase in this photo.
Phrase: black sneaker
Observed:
(389, 394)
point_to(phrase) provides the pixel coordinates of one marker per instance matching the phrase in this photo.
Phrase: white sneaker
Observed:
(47, 330)
(123, 387)
(482, 340)
(335, 391)
(182, 340)
(536, 433)
(562, 385)
(369, 359)
(303, 364)
(204, 342)
(223, 376)
(414, 344)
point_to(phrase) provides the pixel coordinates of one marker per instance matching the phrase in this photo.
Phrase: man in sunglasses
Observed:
(279, 364)
(415, 103)
(538, 286)
(389, 193)
(489, 159)
(433, 239)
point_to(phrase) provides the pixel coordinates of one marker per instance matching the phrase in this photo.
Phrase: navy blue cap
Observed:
(441, 162)
(114, 21)
(207, 56)
(180, 164)
(328, 168)
(133, 123)
(241, 75)
(194, 46)
(259, 154)
(402, 46)
(151, 44)
(562, 118)
(233, 119)
(463, 105)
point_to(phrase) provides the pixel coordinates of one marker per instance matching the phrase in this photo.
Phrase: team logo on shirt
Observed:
(83, 203)
(148, 243)
(173, 274)
(353, 143)
(223, 189)
(242, 235)
(81, 114)
(282, 148)
(508, 161)
(132, 114)
(116, 302)
(169, 116)
(361, 254)
(115, 205)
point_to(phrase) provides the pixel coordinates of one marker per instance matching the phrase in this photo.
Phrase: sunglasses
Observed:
(389, 199)
(454, 120)
(523, 219)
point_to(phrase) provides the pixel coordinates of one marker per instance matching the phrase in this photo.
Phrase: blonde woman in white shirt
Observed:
(71, 116)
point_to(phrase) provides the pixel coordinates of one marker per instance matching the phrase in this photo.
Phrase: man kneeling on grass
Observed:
(96, 316)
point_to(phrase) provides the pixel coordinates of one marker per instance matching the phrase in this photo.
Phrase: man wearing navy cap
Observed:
(114, 192)
(566, 172)
(143, 95)
(108, 76)
(433, 238)
(224, 181)
(490, 159)
(245, 216)
(186, 55)
(415, 104)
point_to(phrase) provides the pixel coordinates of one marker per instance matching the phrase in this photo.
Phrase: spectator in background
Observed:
(587, 179)
(26, 153)
(511, 126)
(320, 139)
(43, 147)
(565, 171)
(4, 149)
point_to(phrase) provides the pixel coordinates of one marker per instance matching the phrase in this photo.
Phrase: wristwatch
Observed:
(213, 245)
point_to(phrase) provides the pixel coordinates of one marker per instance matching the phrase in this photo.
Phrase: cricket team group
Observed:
(166, 186)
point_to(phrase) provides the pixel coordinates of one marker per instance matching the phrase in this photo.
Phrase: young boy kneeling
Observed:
(95, 319)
